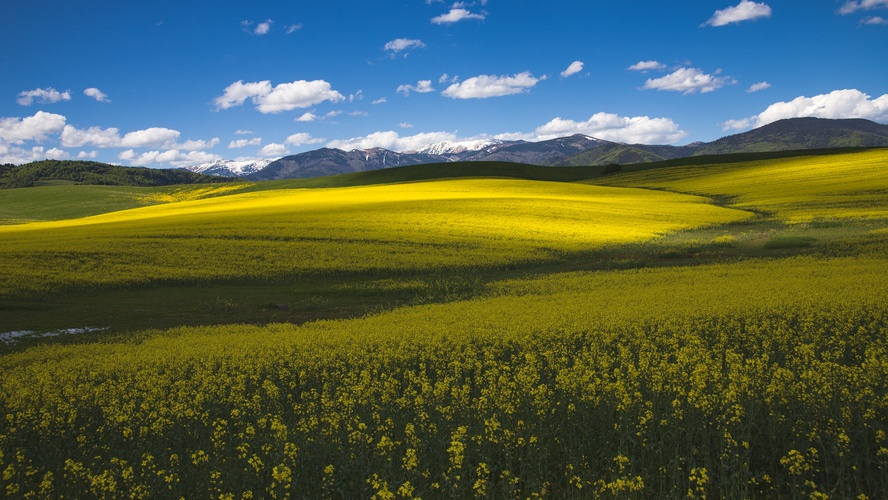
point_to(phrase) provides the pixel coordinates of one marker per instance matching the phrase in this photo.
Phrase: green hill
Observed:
(89, 172)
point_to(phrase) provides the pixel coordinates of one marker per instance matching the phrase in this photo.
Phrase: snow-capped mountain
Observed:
(231, 168)
(456, 147)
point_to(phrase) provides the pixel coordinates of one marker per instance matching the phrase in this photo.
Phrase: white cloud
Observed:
(421, 87)
(87, 155)
(198, 145)
(238, 92)
(263, 28)
(755, 87)
(283, 97)
(17, 156)
(293, 28)
(73, 137)
(688, 81)
(380, 100)
(484, 86)
(243, 132)
(302, 138)
(456, 15)
(851, 6)
(57, 154)
(153, 136)
(874, 21)
(307, 117)
(43, 96)
(391, 140)
(746, 10)
(30, 128)
(405, 125)
(611, 127)
(848, 103)
(242, 143)
(97, 94)
(274, 149)
(401, 44)
(645, 66)
(357, 96)
(172, 156)
(574, 68)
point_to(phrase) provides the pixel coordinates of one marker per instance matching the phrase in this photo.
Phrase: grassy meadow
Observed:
(694, 330)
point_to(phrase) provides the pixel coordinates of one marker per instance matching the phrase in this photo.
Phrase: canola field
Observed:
(276, 234)
(744, 375)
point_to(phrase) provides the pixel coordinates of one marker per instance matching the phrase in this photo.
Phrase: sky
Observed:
(175, 83)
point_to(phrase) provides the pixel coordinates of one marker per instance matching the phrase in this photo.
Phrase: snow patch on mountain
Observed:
(231, 168)
(456, 147)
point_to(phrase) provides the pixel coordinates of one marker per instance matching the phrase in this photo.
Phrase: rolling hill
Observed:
(582, 150)
(95, 173)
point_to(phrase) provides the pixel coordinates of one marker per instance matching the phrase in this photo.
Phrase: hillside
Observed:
(88, 172)
(802, 133)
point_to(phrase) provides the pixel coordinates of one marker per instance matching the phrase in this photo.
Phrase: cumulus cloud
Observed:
(30, 128)
(302, 138)
(421, 87)
(307, 117)
(391, 140)
(455, 15)
(402, 44)
(852, 6)
(84, 155)
(484, 86)
(283, 97)
(198, 145)
(97, 94)
(848, 103)
(153, 136)
(172, 156)
(574, 68)
(242, 143)
(380, 100)
(746, 10)
(43, 96)
(611, 127)
(293, 28)
(755, 87)
(73, 137)
(688, 81)
(273, 149)
(17, 156)
(645, 66)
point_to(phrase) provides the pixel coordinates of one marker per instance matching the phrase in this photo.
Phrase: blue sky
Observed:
(175, 83)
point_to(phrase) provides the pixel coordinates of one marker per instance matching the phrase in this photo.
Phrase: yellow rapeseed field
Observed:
(757, 376)
(274, 234)
(800, 189)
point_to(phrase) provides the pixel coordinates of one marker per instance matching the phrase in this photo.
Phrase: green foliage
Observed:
(87, 172)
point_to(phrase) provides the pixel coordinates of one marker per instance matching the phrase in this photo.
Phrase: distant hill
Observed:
(90, 172)
(576, 150)
(230, 168)
(802, 133)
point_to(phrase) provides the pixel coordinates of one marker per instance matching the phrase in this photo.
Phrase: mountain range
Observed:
(576, 150)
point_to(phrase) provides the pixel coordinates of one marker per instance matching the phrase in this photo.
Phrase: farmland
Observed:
(697, 331)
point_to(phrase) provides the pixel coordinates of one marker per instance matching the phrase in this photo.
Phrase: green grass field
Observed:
(691, 330)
